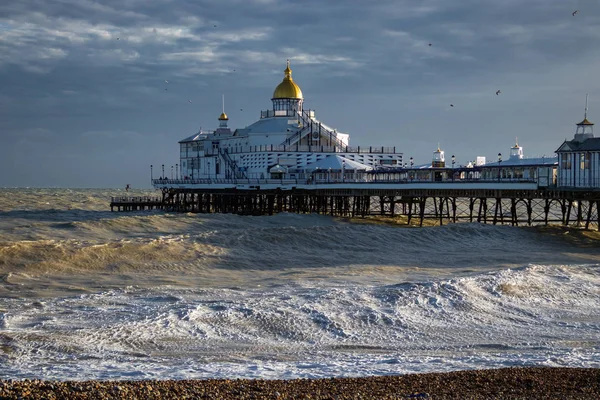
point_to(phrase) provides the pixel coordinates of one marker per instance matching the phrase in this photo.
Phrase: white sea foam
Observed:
(537, 315)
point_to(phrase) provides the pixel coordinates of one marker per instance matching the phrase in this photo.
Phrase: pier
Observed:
(511, 202)
(138, 203)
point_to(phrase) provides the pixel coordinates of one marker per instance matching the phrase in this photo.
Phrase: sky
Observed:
(84, 98)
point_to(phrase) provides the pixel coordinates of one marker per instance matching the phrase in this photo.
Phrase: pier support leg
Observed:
(589, 214)
(422, 204)
(496, 210)
(513, 212)
(567, 216)
(471, 206)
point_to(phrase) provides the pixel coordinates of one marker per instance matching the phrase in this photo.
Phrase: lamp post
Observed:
(171, 172)
(411, 162)
(176, 171)
(151, 177)
(453, 161)
(499, 165)
(343, 169)
(163, 172)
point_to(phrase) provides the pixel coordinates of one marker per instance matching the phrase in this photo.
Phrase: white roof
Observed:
(525, 161)
(336, 163)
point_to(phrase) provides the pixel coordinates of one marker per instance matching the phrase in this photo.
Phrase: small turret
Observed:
(516, 152)
(223, 129)
(438, 159)
(585, 129)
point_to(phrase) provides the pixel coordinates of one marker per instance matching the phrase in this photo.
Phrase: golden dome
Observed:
(287, 89)
(223, 117)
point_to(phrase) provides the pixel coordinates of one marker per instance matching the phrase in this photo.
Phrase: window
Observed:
(588, 157)
(565, 162)
(582, 161)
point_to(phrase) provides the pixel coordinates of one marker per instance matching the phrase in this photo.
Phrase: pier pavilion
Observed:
(290, 161)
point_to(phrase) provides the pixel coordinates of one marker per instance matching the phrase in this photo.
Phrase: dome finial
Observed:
(288, 70)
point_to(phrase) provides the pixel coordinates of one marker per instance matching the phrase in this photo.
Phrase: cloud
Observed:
(99, 67)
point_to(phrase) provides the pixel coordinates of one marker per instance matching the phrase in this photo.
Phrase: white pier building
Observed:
(579, 158)
(287, 140)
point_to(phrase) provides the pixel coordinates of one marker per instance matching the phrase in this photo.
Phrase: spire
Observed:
(223, 117)
(585, 120)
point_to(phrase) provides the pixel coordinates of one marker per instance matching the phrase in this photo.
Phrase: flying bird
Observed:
(430, 44)
(190, 101)
(215, 26)
(575, 12)
(451, 105)
(241, 109)
(166, 81)
(117, 38)
(498, 92)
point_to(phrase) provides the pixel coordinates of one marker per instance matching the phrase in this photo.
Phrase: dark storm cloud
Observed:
(70, 67)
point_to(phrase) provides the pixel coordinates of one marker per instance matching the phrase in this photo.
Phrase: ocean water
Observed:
(90, 294)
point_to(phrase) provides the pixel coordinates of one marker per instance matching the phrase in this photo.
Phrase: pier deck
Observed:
(506, 202)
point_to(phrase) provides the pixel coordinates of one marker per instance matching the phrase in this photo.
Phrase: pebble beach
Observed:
(507, 383)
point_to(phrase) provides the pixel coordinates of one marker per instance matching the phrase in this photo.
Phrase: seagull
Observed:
(215, 26)
(451, 105)
(190, 101)
(166, 81)
(241, 109)
(429, 44)
(575, 12)
(117, 38)
(498, 92)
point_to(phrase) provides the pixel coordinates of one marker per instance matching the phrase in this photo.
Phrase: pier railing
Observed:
(323, 181)
(307, 148)
(135, 199)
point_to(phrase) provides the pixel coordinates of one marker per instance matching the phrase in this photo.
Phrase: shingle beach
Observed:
(507, 383)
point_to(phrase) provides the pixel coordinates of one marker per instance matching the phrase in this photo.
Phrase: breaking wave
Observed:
(87, 294)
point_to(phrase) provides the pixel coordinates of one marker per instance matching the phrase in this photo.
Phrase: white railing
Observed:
(306, 148)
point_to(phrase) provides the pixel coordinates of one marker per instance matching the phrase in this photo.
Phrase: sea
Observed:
(86, 293)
